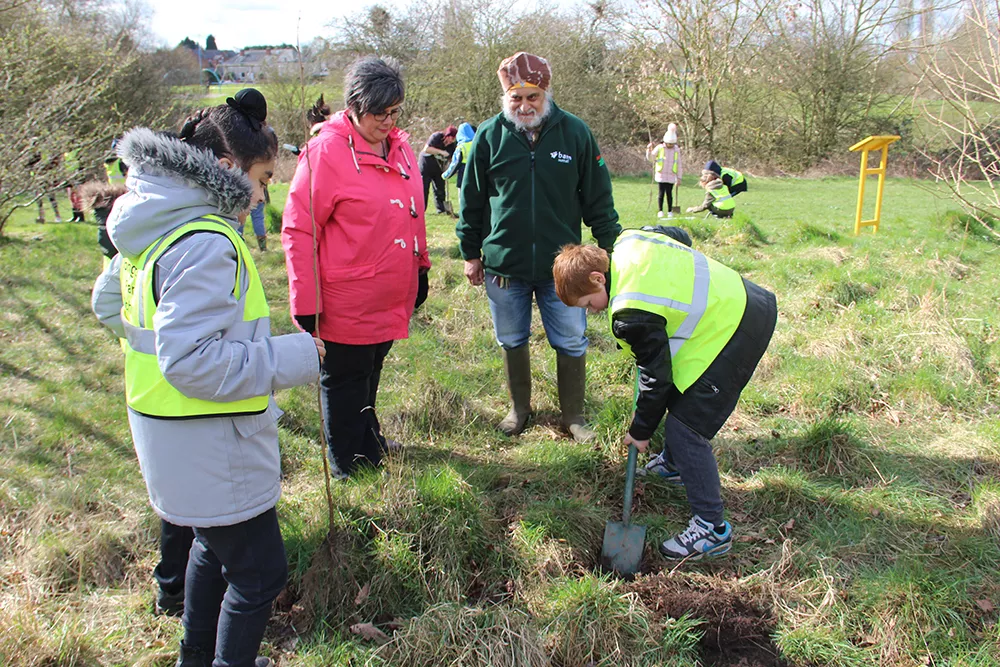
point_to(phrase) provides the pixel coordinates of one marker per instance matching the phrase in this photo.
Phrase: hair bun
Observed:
(251, 103)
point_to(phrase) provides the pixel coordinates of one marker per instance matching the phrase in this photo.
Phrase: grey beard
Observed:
(534, 122)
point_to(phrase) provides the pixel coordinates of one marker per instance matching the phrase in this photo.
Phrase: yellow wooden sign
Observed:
(874, 143)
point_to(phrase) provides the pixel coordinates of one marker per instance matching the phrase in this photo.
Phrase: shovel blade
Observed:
(623, 547)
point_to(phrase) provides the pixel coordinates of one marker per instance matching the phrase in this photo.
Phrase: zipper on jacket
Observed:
(533, 239)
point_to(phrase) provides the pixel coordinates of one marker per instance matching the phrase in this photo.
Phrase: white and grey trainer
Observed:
(701, 539)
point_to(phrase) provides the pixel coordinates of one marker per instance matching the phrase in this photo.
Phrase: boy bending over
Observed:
(697, 330)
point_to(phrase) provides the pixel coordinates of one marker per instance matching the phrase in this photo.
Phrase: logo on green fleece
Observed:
(600, 161)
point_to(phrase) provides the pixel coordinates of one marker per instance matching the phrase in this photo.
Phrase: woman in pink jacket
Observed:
(364, 211)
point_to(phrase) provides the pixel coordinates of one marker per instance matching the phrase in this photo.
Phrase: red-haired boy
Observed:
(697, 330)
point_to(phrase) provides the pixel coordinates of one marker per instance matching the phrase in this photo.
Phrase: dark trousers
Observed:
(349, 381)
(175, 545)
(459, 174)
(430, 171)
(234, 574)
(668, 190)
(708, 403)
(690, 454)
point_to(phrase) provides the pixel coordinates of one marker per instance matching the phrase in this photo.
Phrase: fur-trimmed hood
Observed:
(169, 184)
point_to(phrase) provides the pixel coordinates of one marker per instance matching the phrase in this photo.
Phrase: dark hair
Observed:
(373, 84)
(319, 112)
(229, 132)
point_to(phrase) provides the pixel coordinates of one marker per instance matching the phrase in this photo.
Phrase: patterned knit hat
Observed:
(524, 70)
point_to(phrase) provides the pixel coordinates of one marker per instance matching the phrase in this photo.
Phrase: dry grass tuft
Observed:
(33, 639)
(451, 634)
(592, 620)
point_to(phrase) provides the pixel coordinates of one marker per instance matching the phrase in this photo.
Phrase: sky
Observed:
(236, 23)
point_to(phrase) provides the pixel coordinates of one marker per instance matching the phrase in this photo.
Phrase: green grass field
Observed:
(860, 470)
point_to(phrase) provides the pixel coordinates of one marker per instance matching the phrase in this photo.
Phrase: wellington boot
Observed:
(571, 375)
(262, 243)
(517, 368)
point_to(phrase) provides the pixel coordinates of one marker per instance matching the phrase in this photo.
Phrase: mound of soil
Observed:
(738, 628)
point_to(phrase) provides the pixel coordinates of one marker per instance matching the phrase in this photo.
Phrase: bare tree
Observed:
(66, 91)
(965, 73)
(835, 65)
(684, 53)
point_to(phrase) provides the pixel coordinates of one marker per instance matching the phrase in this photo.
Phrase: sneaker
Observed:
(659, 214)
(263, 662)
(670, 215)
(699, 540)
(658, 466)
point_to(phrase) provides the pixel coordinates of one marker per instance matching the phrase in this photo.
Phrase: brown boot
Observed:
(517, 368)
(571, 375)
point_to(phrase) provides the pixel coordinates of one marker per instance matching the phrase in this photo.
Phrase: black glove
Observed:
(307, 323)
(421, 288)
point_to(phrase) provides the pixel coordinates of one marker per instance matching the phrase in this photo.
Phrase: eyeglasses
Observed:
(380, 117)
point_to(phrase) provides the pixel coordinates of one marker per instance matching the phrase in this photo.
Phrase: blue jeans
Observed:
(257, 220)
(511, 309)
(234, 574)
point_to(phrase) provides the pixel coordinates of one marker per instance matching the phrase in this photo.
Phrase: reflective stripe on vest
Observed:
(701, 300)
(147, 391)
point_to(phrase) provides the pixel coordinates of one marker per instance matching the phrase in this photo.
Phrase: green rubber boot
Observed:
(571, 374)
(517, 368)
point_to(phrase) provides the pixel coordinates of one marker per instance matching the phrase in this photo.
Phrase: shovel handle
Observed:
(633, 453)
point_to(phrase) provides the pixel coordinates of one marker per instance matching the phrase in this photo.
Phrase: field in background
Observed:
(860, 469)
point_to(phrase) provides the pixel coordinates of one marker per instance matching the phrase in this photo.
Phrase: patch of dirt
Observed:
(737, 626)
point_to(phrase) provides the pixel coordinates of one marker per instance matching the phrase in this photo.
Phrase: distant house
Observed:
(211, 59)
(254, 64)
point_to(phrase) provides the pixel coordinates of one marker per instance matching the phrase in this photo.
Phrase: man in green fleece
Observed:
(533, 174)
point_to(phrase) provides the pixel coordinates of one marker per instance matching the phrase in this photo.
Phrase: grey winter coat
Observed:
(214, 471)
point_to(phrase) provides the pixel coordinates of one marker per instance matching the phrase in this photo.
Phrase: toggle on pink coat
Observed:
(370, 231)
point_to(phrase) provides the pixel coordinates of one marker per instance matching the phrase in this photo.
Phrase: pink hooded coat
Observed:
(370, 232)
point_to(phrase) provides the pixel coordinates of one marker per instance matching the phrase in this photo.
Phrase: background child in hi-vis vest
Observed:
(667, 169)
(697, 331)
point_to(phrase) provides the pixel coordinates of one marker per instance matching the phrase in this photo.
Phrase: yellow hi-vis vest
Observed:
(146, 390)
(114, 172)
(661, 152)
(735, 177)
(723, 198)
(701, 300)
(464, 148)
